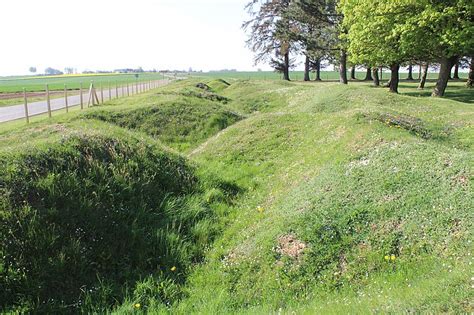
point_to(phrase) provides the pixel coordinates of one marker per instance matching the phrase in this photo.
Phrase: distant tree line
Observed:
(373, 34)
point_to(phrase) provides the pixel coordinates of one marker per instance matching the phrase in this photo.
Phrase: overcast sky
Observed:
(110, 34)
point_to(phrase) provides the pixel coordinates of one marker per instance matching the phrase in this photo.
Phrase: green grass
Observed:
(301, 192)
(38, 84)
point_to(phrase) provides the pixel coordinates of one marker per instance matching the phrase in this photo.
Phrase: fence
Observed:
(95, 94)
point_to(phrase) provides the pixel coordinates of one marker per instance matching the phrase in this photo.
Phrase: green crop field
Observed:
(298, 75)
(242, 197)
(38, 83)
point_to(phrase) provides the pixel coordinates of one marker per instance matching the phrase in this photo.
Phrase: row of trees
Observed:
(369, 33)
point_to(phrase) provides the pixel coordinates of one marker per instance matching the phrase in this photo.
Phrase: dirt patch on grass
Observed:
(290, 246)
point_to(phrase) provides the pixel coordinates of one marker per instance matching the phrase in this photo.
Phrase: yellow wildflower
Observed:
(173, 268)
(137, 305)
(393, 257)
(387, 257)
(260, 209)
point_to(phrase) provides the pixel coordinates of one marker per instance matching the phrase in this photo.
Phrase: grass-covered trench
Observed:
(242, 196)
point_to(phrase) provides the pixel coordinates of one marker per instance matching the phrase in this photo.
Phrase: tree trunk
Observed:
(470, 79)
(456, 71)
(286, 67)
(368, 76)
(375, 76)
(394, 78)
(444, 74)
(306, 69)
(419, 72)
(353, 73)
(424, 71)
(318, 69)
(410, 72)
(343, 67)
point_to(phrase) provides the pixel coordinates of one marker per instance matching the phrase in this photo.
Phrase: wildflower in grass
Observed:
(137, 305)
(387, 257)
(260, 209)
(392, 258)
(173, 268)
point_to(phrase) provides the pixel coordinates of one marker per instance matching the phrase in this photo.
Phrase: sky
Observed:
(110, 34)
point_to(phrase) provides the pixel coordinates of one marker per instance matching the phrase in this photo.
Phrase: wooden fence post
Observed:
(48, 101)
(26, 107)
(101, 93)
(65, 99)
(81, 97)
(116, 89)
(128, 90)
(110, 91)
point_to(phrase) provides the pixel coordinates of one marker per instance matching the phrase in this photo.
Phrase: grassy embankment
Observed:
(314, 197)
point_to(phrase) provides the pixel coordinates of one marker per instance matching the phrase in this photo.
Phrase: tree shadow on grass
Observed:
(456, 91)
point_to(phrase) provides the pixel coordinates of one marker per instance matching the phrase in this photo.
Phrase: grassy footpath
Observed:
(280, 197)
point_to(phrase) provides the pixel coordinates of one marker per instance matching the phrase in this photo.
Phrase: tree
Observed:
(317, 27)
(32, 69)
(424, 74)
(372, 34)
(316, 67)
(69, 70)
(410, 72)
(52, 71)
(456, 71)
(375, 76)
(368, 75)
(470, 79)
(393, 32)
(353, 72)
(270, 36)
(440, 32)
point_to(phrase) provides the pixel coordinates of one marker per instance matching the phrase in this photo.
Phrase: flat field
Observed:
(38, 83)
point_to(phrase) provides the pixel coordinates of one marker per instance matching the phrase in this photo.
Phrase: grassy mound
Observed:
(343, 214)
(181, 123)
(85, 218)
(218, 85)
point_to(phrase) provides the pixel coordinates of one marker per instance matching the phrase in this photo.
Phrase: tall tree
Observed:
(470, 79)
(353, 72)
(424, 75)
(368, 75)
(32, 69)
(270, 33)
(319, 27)
(456, 71)
(375, 76)
(410, 72)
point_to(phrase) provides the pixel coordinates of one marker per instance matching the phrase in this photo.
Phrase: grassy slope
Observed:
(353, 173)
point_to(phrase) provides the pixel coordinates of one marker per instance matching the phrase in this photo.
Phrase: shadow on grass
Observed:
(456, 91)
